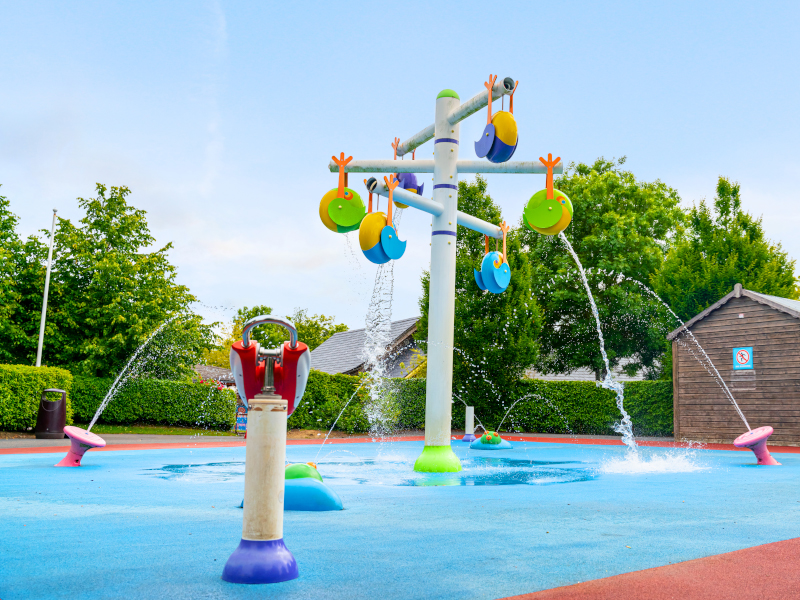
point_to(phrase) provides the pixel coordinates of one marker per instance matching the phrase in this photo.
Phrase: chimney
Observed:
(737, 290)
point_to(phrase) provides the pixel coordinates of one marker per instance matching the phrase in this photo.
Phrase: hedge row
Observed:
(546, 406)
(543, 406)
(155, 401)
(21, 389)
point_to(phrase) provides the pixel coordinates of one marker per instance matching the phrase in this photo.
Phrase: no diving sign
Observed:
(743, 358)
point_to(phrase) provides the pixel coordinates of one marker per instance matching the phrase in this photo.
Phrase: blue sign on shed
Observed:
(743, 358)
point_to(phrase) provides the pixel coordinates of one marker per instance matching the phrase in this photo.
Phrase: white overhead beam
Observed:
(405, 197)
(525, 166)
(471, 106)
(385, 166)
(434, 208)
(426, 166)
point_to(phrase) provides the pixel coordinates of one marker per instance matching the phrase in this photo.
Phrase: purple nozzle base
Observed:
(468, 437)
(82, 441)
(756, 440)
(260, 561)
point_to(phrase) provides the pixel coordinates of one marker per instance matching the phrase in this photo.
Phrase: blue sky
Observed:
(222, 116)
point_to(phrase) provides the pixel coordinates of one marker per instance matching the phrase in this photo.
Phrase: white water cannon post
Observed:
(271, 383)
(437, 455)
(469, 425)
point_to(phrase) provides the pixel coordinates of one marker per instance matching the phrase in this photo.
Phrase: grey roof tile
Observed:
(343, 351)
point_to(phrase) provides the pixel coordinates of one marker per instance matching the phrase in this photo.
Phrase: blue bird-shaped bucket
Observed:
(495, 275)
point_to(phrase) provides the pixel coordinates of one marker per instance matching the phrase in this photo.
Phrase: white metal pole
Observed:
(437, 455)
(424, 165)
(265, 468)
(469, 424)
(262, 556)
(46, 289)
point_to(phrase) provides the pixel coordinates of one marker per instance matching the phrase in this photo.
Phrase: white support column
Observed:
(438, 456)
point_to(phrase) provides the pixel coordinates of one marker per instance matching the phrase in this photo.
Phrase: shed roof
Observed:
(785, 305)
(343, 351)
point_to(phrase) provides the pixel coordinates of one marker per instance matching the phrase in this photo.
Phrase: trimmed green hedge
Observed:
(561, 406)
(155, 401)
(325, 397)
(21, 389)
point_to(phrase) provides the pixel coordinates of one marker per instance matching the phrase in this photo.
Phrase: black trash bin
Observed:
(52, 416)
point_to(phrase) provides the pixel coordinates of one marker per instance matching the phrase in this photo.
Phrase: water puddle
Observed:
(476, 471)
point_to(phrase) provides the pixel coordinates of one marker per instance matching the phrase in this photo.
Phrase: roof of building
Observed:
(586, 374)
(785, 305)
(343, 351)
(215, 373)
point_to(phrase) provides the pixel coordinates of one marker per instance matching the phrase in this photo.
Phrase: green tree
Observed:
(108, 294)
(311, 330)
(719, 248)
(11, 334)
(495, 334)
(621, 228)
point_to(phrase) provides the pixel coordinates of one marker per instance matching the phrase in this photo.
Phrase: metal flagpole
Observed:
(46, 289)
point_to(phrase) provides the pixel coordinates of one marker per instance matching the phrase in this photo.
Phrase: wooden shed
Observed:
(754, 341)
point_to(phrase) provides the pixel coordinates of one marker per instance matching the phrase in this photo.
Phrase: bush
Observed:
(551, 406)
(155, 401)
(325, 397)
(21, 389)
(579, 407)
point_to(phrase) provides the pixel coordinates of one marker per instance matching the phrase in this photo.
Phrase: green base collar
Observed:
(437, 459)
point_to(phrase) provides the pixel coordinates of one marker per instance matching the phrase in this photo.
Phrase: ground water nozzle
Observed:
(81, 440)
(469, 425)
(756, 440)
(490, 440)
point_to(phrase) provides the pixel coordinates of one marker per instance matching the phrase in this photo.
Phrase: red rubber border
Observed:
(768, 571)
(414, 438)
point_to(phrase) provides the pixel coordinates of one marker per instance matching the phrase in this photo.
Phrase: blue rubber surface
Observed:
(162, 523)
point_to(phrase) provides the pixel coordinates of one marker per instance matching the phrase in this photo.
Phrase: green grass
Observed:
(100, 429)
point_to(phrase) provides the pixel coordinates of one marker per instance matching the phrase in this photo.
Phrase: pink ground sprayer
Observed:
(82, 441)
(756, 440)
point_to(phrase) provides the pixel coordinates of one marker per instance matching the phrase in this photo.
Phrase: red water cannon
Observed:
(282, 371)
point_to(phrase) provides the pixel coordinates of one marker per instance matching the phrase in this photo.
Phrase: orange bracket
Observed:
(369, 209)
(489, 85)
(341, 162)
(395, 144)
(511, 99)
(413, 152)
(550, 163)
(486, 243)
(391, 183)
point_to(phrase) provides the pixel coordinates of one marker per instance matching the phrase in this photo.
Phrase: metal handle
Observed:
(266, 320)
